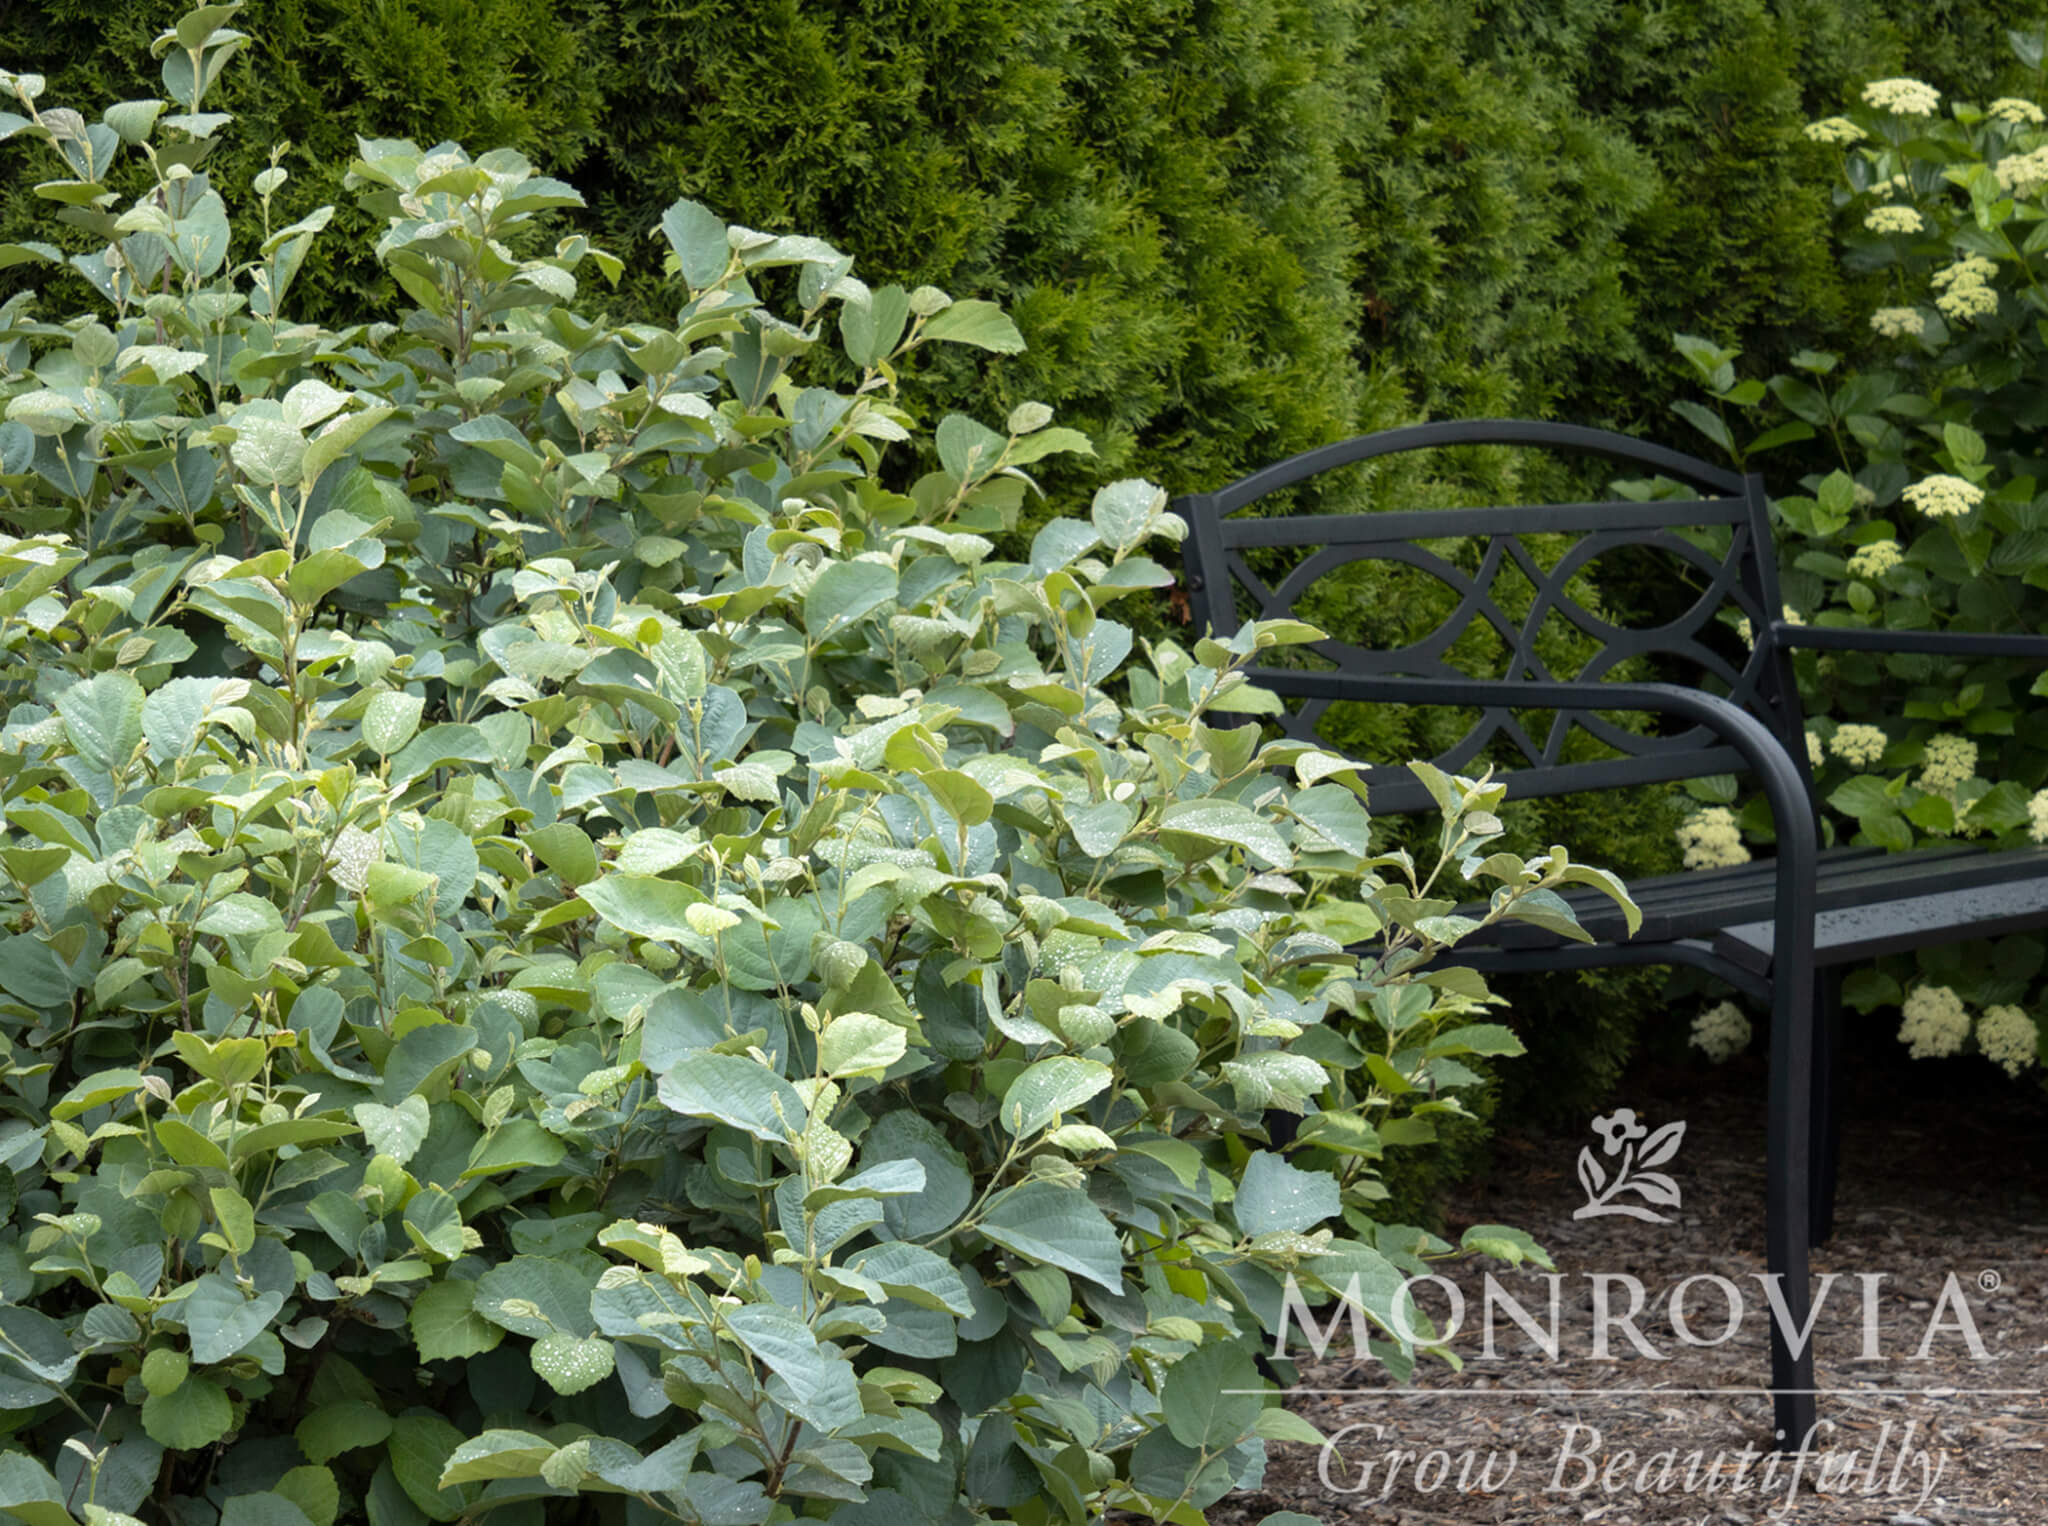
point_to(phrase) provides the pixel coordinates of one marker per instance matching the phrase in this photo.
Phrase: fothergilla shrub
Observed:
(576, 948)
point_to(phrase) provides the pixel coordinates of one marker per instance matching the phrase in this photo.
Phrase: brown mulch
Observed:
(1945, 1171)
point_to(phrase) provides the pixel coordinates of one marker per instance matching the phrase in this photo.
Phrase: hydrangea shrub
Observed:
(1933, 515)
(579, 946)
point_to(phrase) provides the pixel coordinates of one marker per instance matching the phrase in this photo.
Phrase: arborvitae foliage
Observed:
(1155, 190)
(1228, 232)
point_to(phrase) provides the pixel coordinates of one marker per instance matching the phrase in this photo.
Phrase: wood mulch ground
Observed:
(1945, 1171)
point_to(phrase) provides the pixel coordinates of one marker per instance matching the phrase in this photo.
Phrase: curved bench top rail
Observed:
(1569, 437)
(1438, 524)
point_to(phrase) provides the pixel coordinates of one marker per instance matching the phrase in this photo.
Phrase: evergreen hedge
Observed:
(1227, 232)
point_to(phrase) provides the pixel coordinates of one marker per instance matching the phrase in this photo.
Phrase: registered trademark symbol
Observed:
(1989, 1281)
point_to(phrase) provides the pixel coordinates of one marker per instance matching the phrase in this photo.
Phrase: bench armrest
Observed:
(1784, 784)
(1834, 638)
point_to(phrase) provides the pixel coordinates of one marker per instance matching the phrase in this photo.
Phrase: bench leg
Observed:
(1786, 1222)
(1827, 1103)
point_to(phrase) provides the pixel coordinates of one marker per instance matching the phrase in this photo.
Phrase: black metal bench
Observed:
(1776, 930)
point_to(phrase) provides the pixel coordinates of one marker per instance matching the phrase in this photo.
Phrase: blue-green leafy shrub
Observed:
(579, 944)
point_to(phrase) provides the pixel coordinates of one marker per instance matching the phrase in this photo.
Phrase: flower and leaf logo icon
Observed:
(1635, 1174)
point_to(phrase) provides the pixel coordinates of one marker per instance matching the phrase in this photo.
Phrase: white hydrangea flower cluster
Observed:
(1898, 322)
(1721, 1033)
(1835, 130)
(1894, 220)
(1902, 97)
(1864, 496)
(1949, 761)
(2010, 108)
(1900, 184)
(349, 860)
(1747, 631)
(1858, 745)
(1965, 289)
(1712, 840)
(1944, 497)
(2037, 816)
(2024, 174)
(2007, 1036)
(1876, 559)
(1816, 754)
(1936, 1023)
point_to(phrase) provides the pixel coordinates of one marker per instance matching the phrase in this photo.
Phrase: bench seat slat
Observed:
(1869, 902)
(1852, 934)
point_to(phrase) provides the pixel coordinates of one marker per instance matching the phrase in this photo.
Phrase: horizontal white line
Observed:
(1651, 1393)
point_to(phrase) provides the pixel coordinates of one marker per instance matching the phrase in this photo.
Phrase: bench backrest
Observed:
(1224, 589)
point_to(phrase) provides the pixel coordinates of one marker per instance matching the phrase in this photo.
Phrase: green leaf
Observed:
(446, 1326)
(643, 905)
(175, 713)
(1706, 422)
(220, 1320)
(164, 1369)
(1153, 1053)
(516, 1145)
(1099, 829)
(1043, 1092)
(1864, 795)
(496, 1454)
(336, 441)
(821, 1384)
(1212, 1396)
(103, 719)
(196, 27)
(872, 329)
(536, 1296)
(966, 449)
(132, 120)
(420, 1447)
(569, 1363)
(981, 324)
(433, 1223)
(736, 1092)
(314, 1491)
(341, 1427)
(97, 1091)
(567, 850)
(1201, 828)
(917, 1276)
(387, 884)
(844, 592)
(698, 239)
(262, 1509)
(269, 452)
(959, 795)
(29, 1493)
(197, 1415)
(391, 719)
(1123, 511)
(1514, 1246)
(237, 1218)
(859, 1043)
(1057, 1226)
(394, 1131)
(439, 747)
(1478, 1038)
(1276, 1195)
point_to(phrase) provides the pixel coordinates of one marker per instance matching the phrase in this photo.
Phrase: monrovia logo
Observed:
(1703, 1310)
(1634, 1175)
